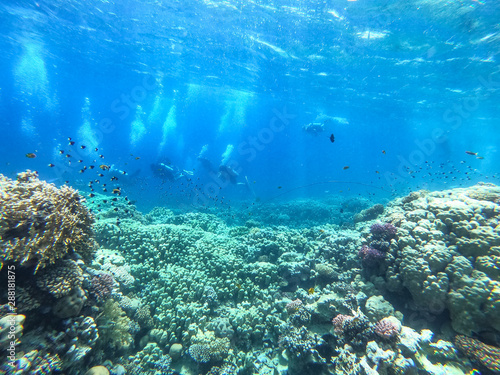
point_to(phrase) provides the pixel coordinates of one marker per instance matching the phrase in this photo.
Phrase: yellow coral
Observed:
(114, 326)
(40, 223)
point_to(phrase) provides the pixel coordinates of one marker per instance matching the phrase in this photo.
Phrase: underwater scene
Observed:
(249, 187)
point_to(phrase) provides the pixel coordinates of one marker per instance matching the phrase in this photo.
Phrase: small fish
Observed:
(105, 201)
(68, 155)
(280, 187)
(346, 167)
(80, 161)
(51, 165)
(310, 291)
(480, 157)
(91, 195)
(471, 153)
(114, 178)
(332, 138)
(114, 199)
(101, 156)
(82, 170)
(341, 210)
(105, 190)
(104, 167)
(91, 166)
(123, 172)
(61, 152)
(31, 155)
(137, 157)
(115, 209)
(100, 175)
(71, 143)
(96, 149)
(83, 147)
(383, 152)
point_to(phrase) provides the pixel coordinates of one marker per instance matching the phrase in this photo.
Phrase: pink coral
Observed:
(102, 285)
(339, 322)
(387, 328)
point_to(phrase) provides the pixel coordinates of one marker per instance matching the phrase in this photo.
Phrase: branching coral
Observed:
(114, 326)
(40, 223)
(61, 278)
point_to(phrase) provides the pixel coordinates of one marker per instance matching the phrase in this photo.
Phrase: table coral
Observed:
(41, 223)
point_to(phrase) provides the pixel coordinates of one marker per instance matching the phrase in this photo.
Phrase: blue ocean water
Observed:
(405, 88)
(269, 184)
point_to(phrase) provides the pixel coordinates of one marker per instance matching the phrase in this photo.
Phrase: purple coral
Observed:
(383, 231)
(370, 257)
(102, 285)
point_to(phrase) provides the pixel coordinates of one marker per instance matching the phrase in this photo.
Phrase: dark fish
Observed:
(332, 138)
(80, 161)
(123, 172)
(82, 170)
(51, 165)
(280, 187)
(341, 210)
(68, 155)
(114, 178)
(101, 156)
(83, 147)
(114, 199)
(91, 166)
(137, 157)
(346, 167)
(61, 152)
(105, 190)
(91, 195)
(71, 143)
(31, 155)
(471, 153)
(96, 149)
(105, 201)
(383, 152)
(100, 175)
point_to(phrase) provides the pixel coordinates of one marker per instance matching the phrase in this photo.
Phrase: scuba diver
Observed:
(169, 172)
(316, 127)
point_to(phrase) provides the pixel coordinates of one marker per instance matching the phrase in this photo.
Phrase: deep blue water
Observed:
(405, 87)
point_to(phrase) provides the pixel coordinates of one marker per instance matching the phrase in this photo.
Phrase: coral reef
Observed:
(41, 223)
(486, 355)
(446, 255)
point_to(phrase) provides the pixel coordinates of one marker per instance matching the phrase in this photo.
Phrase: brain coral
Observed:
(40, 223)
